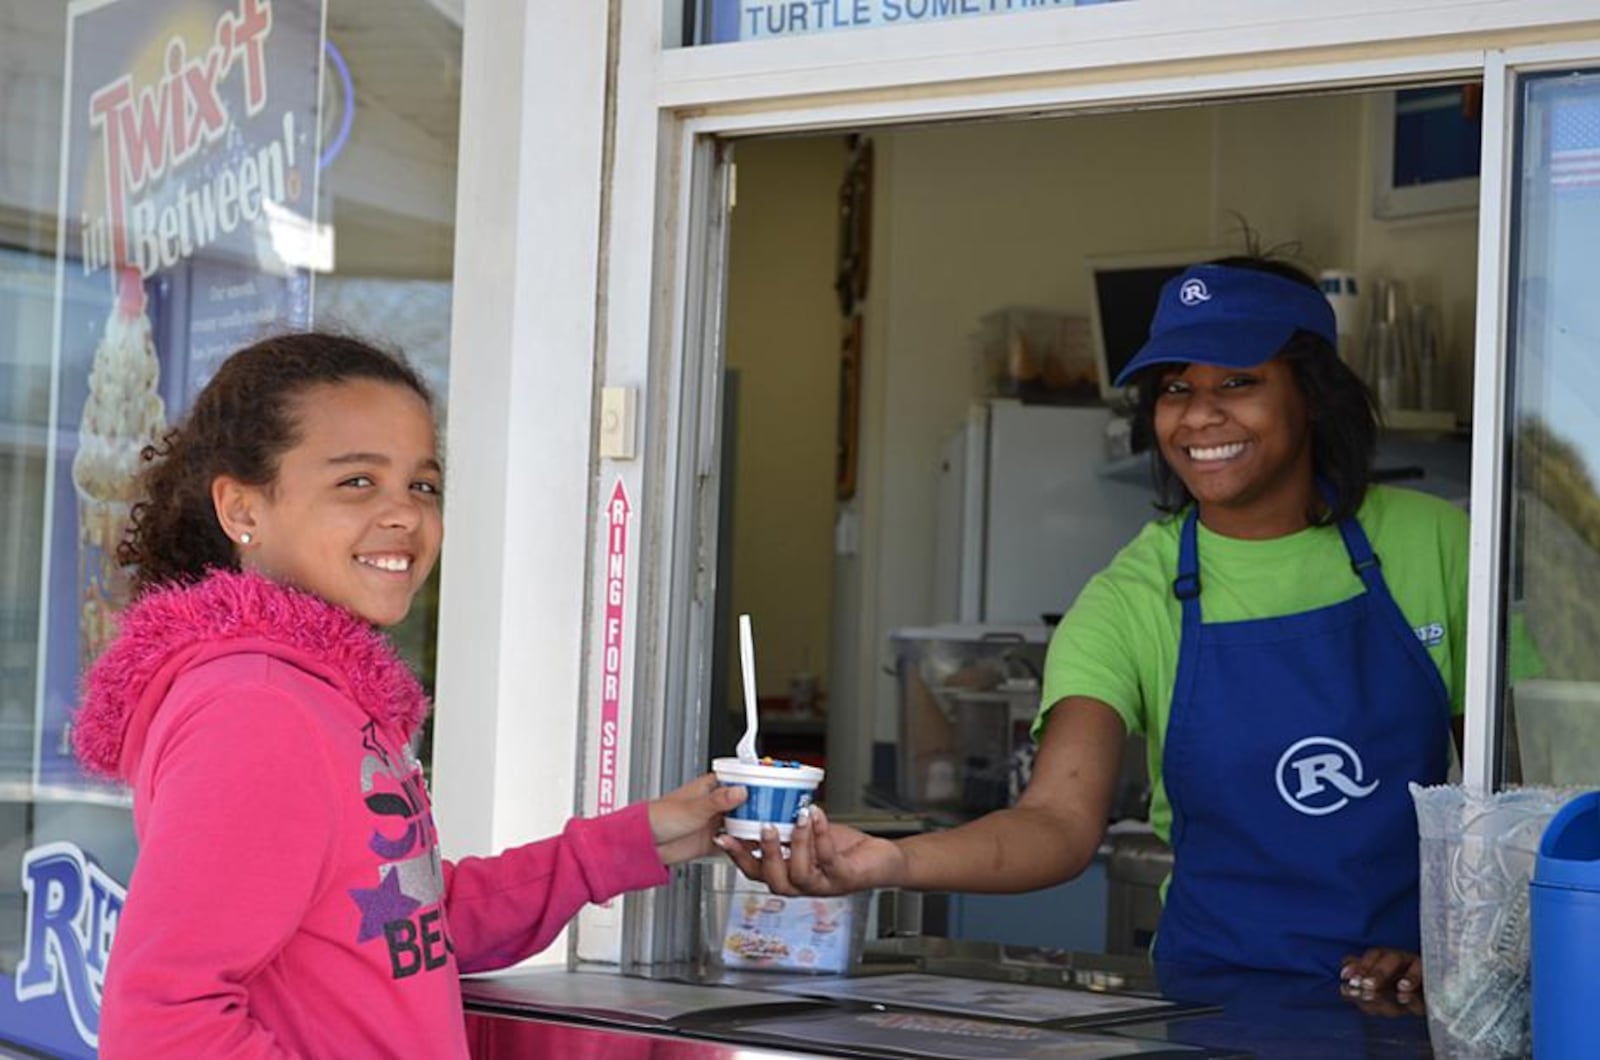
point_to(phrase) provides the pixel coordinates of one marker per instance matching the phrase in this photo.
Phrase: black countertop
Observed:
(1230, 1013)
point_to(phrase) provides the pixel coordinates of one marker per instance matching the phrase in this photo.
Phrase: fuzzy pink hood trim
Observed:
(170, 629)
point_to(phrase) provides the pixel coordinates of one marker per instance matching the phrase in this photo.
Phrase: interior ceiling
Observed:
(405, 59)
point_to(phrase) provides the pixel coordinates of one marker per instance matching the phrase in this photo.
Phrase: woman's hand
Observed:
(824, 858)
(684, 822)
(1380, 968)
(1049, 836)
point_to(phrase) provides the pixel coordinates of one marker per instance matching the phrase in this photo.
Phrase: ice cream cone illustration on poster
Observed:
(123, 414)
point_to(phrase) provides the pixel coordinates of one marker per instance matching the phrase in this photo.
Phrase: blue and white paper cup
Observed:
(777, 792)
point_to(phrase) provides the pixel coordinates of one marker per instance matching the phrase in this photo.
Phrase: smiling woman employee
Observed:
(1288, 638)
(1288, 641)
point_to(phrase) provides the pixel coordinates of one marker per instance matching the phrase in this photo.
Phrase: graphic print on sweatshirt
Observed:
(404, 908)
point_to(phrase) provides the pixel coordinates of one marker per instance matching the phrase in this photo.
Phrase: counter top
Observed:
(704, 1011)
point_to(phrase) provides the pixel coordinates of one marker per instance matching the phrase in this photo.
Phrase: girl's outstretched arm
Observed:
(504, 908)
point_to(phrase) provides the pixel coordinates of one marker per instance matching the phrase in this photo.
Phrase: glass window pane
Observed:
(1552, 664)
(377, 149)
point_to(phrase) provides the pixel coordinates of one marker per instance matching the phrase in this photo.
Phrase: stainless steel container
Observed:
(1135, 868)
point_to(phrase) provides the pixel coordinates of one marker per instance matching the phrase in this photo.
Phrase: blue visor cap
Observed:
(1229, 317)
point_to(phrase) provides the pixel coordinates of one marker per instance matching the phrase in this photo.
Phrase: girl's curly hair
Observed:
(241, 424)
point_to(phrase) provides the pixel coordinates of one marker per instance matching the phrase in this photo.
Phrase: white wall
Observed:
(523, 339)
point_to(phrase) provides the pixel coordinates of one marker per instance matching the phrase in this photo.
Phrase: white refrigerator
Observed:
(1027, 513)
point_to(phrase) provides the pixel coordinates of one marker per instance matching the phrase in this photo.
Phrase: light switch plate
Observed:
(619, 413)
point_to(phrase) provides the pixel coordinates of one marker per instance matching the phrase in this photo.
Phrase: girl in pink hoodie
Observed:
(289, 898)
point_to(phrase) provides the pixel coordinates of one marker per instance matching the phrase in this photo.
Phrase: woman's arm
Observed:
(1050, 835)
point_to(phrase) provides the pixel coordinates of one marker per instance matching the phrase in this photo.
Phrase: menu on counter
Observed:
(990, 999)
(926, 1035)
(604, 995)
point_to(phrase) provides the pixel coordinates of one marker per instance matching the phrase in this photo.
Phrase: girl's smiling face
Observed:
(1240, 439)
(353, 514)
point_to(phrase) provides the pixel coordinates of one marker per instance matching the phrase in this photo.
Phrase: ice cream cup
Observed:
(777, 792)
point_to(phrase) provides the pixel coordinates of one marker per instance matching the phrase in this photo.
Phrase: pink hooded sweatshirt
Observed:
(289, 898)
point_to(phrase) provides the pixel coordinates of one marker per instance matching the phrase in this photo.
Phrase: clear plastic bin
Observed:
(1477, 856)
(1036, 354)
(745, 927)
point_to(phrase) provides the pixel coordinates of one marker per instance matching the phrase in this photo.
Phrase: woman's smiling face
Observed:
(1240, 439)
(353, 514)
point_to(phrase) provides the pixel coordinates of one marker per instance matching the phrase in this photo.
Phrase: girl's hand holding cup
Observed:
(684, 822)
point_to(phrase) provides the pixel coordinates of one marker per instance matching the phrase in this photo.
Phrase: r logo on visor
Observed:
(1193, 292)
(1320, 775)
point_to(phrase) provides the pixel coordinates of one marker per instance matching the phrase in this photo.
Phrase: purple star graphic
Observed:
(381, 905)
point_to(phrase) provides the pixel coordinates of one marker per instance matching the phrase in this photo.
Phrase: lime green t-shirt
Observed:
(1119, 642)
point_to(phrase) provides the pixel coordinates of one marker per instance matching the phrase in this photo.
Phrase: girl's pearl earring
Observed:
(244, 538)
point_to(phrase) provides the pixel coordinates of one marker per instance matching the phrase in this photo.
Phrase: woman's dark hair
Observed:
(1344, 418)
(241, 425)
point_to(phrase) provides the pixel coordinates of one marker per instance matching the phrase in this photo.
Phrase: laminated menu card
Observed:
(925, 1034)
(768, 931)
(993, 999)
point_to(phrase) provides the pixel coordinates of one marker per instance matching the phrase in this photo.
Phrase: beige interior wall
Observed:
(1302, 170)
(1290, 167)
(988, 215)
(783, 339)
(1436, 257)
(979, 217)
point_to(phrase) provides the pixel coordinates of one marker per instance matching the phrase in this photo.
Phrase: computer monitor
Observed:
(1124, 292)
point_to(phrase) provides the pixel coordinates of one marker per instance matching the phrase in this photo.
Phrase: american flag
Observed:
(1575, 139)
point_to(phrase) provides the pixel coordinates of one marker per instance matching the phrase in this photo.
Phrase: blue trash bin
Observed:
(1564, 903)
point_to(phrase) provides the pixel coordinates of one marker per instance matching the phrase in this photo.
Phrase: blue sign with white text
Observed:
(741, 20)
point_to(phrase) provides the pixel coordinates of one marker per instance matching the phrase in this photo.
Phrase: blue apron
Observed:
(1288, 750)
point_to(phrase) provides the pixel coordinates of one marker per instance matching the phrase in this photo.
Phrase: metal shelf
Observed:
(1133, 469)
(1404, 431)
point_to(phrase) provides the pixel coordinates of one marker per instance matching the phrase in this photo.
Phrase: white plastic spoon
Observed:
(747, 665)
